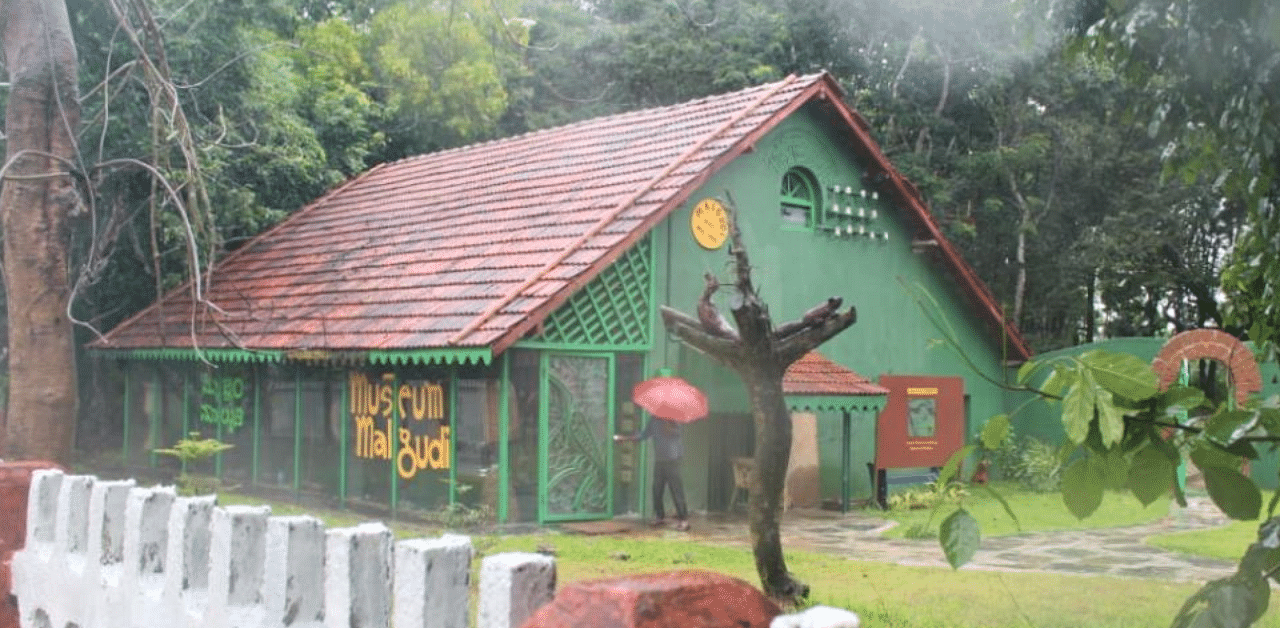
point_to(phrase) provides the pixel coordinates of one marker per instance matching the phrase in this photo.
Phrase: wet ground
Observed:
(856, 535)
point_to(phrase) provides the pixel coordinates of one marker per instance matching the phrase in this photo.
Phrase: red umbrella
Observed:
(670, 398)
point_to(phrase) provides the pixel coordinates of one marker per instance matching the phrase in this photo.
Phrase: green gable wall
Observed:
(795, 269)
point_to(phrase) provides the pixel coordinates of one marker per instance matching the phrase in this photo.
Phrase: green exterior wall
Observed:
(796, 268)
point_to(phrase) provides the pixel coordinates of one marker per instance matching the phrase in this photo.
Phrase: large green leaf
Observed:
(1061, 379)
(1269, 418)
(1183, 397)
(1077, 410)
(948, 472)
(1150, 474)
(1110, 418)
(960, 537)
(1237, 495)
(1082, 485)
(1123, 374)
(1206, 455)
(1115, 469)
(1027, 370)
(1226, 427)
(995, 431)
(1236, 604)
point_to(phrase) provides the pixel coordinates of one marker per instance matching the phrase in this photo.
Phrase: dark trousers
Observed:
(667, 473)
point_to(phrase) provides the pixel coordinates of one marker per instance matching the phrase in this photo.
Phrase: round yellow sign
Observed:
(709, 223)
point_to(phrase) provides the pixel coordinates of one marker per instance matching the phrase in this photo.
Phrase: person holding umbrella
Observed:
(668, 447)
(672, 401)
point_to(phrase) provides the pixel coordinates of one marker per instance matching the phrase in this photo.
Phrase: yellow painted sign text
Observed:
(414, 412)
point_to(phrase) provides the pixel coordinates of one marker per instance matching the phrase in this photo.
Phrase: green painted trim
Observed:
(297, 430)
(612, 405)
(556, 346)
(656, 329)
(217, 457)
(257, 425)
(453, 438)
(342, 447)
(395, 449)
(478, 356)
(442, 356)
(845, 403)
(127, 414)
(642, 454)
(157, 406)
(186, 403)
(544, 447)
(243, 356)
(504, 445)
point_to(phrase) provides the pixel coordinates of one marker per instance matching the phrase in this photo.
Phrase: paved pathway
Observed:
(1111, 551)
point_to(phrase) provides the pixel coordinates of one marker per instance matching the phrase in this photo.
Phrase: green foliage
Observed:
(1035, 465)
(444, 68)
(1116, 420)
(928, 496)
(1209, 70)
(192, 450)
(960, 537)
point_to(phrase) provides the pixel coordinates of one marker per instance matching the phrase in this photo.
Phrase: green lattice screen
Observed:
(613, 309)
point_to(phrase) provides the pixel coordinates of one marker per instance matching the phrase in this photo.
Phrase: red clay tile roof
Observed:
(814, 374)
(472, 247)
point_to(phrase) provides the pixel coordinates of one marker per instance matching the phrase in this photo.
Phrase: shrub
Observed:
(1037, 466)
(193, 449)
(927, 496)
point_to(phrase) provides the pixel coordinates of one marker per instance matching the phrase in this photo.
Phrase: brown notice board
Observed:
(922, 423)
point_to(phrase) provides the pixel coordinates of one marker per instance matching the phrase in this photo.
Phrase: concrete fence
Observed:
(110, 554)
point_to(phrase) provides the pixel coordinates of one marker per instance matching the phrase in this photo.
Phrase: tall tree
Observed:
(760, 354)
(38, 199)
(1212, 73)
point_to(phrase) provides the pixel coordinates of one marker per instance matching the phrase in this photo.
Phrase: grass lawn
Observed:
(1035, 511)
(886, 595)
(1226, 542)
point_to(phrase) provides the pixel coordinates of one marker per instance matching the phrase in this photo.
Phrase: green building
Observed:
(466, 326)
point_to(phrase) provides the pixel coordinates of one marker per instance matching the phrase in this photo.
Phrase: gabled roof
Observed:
(473, 247)
(815, 374)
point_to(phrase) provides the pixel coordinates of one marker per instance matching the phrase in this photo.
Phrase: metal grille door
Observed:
(578, 427)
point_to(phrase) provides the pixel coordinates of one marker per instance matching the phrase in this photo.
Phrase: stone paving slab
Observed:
(1111, 552)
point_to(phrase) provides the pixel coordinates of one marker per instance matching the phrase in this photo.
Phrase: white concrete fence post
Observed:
(293, 582)
(236, 564)
(513, 586)
(186, 578)
(104, 564)
(107, 554)
(433, 582)
(357, 577)
(146, 547)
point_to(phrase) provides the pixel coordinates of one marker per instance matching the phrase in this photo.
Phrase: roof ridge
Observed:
(603, 120)
(770, 91)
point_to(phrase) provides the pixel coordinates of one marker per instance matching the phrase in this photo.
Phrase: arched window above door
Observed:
(799, 198)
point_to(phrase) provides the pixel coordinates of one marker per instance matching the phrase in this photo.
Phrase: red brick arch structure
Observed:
(1214, 344)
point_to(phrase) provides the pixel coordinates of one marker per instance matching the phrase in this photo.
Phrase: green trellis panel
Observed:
(612, 310)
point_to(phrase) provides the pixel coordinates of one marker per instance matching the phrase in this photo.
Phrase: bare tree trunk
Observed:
(1025, 221)
(773, 453)
(37, 200)
(760, 354)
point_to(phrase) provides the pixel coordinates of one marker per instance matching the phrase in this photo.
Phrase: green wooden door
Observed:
(576, 470)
